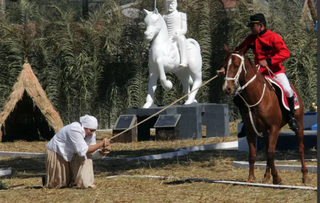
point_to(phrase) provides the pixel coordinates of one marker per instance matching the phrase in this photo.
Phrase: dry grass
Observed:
(290, 162)
(209, 164)
(206, 164)
(157, 146)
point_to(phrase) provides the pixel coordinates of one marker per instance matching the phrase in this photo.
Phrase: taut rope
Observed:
(165, 107)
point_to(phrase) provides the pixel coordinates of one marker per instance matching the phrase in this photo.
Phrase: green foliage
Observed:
(3, 185)
(99, 65)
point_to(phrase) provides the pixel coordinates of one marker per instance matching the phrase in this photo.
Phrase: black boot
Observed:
(293, 124)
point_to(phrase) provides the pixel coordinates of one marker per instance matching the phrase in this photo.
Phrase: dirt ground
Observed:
(214, 164)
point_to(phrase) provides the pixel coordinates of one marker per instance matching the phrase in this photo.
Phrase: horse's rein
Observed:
(236, 79)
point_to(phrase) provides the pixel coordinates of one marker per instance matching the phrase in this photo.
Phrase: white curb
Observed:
(21, 154)
(243, 164)
(169, 155)
(220, 181)
(219, 146)
(5, 172)
(105, 130)
(184, 151)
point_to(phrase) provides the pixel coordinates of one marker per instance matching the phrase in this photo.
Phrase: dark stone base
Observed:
(214, 116)
(288, 141)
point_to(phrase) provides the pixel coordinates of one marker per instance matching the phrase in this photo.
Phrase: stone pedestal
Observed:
(287, 140)
(214, 116)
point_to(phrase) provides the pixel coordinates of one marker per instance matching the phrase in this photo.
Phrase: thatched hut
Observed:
(28, 114)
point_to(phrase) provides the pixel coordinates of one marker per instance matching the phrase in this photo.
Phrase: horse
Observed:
(261, 112)
(164, 57)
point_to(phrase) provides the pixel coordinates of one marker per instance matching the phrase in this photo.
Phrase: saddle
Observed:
(281, 94)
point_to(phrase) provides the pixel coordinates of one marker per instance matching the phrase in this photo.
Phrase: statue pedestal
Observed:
(287, 140)
(214, 116)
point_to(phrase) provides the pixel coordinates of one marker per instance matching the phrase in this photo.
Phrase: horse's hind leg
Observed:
(251, 138)
(304, 170)
(197, 82)
(267, 174)
(183, 76)
(273, 138)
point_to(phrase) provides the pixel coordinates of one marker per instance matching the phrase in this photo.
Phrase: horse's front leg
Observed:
(152, 86)
(251, 138)
(273, 138)
(166, 84)
(267, 174)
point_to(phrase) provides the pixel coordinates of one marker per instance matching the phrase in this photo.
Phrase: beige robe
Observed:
(78, 173)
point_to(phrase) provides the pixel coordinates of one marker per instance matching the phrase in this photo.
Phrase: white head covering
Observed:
(88, 121)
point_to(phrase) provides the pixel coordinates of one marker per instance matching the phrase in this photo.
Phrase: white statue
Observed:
(177, 28)
(164, 53)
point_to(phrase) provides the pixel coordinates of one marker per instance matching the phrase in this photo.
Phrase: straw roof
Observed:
(27, 81)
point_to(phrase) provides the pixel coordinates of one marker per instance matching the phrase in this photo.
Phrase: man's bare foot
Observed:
(93, 186)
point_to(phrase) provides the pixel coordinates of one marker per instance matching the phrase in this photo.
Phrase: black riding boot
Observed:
(293, 121)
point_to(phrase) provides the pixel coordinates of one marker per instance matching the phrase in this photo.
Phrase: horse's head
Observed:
(233, 65)
(153, 24)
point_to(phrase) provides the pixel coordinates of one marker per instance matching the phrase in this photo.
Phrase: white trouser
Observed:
(182, 47)
(283, 80)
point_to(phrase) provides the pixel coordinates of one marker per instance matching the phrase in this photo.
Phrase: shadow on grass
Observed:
(137, 153)
(35, 167)
(24, 167)
(117, 167)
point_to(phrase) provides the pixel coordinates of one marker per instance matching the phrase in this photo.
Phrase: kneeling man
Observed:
(67, 161)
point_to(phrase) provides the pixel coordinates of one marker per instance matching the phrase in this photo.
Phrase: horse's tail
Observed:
(195, 43)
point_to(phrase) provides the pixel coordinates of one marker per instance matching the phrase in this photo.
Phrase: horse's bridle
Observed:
(236, 77)
(236, 81)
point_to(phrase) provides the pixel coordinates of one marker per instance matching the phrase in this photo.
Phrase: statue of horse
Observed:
(164, 57)
(260, 111)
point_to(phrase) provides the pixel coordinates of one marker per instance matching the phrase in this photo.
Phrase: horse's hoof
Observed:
(306, 180)
(190, 102)
(277, 182)
(146, 105)
(266, 180)
(167, 85)
(187, 103)
(251, 180)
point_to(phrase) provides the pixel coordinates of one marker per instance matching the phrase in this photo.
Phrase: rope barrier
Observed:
(166, 106)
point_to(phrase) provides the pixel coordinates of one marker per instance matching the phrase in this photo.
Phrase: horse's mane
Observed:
(260, 77)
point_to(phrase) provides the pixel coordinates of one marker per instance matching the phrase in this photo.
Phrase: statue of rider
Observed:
(177, 27)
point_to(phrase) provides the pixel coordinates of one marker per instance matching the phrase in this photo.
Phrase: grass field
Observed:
(213, 164)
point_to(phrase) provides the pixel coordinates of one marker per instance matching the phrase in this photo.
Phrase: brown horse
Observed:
(260, 112)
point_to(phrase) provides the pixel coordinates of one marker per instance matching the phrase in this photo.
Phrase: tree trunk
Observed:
(312, 10)
(85, 8)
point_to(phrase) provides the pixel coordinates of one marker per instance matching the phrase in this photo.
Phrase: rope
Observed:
(166, 106)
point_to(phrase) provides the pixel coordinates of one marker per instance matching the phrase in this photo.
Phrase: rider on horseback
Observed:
(269, 51)
(177, 28)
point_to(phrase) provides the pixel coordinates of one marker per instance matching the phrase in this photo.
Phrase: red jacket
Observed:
(269, 46)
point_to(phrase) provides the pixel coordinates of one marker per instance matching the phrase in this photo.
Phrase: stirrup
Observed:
(293, 124)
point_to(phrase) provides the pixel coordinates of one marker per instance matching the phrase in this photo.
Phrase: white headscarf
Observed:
(89, 122)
